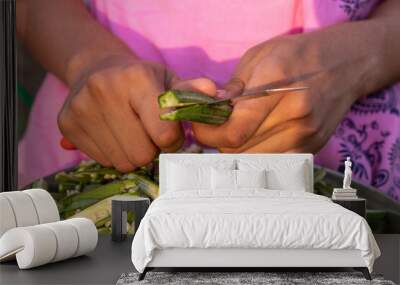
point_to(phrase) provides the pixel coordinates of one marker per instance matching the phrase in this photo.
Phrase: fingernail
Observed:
(222, 94)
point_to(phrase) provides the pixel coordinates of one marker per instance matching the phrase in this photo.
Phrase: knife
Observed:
(251, 94)
(277, 86)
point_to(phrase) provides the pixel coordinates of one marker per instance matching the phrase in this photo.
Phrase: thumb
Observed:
(202, 85)
(233, 88)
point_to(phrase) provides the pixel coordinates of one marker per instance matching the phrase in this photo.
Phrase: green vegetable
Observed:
(79, 204)
(145, 185)
(41, 184)
(90, 197)
(96, 212)
(176, 98)
(207, 114)
(106, 190)
(102, 222)
(96, 174)
(63, 177)
(191, 106)
(104, 231)
(100, 213)
(86, 173)
(64, 187)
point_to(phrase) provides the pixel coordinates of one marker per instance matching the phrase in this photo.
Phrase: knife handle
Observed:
(66, 144)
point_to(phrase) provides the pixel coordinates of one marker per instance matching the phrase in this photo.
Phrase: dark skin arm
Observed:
(355, 59)
(387, 17)
(64, 38)
(111, 113)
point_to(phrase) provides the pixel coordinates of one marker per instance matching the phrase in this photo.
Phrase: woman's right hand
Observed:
(112, 114)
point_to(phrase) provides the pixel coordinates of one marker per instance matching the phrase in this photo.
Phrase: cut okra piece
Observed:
(147, 186)
(177, 98)
(201, 113)
(99, 193)
(79, 204)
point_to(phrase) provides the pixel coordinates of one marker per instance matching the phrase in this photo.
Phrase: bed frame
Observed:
(246, 258)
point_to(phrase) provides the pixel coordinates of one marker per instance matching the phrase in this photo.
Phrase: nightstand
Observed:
(120, 205)
(356, 205)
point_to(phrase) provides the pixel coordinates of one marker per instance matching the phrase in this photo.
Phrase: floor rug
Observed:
(244, 278)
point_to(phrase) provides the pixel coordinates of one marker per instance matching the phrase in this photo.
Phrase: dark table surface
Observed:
(102, 266)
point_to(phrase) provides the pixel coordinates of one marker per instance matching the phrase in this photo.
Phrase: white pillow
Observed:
(282, 174)
(291, 178)
(194, 174)
(223, 179)
(251, 178)
(184, 177)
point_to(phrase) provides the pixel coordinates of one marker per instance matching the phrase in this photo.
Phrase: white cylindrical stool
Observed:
(7, 217)
(45, 205)
(23, 208)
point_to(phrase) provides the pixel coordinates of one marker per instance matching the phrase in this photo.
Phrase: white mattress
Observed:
(252, 218)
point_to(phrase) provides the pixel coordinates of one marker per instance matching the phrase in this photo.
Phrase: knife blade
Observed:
(277, 86)
(251, 94)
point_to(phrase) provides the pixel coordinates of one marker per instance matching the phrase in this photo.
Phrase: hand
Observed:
(303, 121)
(112, 113)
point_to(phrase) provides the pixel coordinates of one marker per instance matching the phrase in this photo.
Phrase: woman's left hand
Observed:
(343, 64)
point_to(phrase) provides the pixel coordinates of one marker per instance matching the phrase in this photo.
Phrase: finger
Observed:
(303, 128)
(256, 139)
(78, 137)
(280, 110)
(247, 66)
(128, 131)
(202, 85)
(292, 106)
(173, 139)
(245, 119)
(90, 119)
(167, 135)
(248, 63)
(233, 88)
(291, 109)
(289, 138)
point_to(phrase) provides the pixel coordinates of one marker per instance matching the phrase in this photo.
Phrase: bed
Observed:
(246, 211)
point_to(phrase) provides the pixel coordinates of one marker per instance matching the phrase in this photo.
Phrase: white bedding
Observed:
(251, 218)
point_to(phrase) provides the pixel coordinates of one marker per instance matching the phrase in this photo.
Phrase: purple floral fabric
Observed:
(370, 135)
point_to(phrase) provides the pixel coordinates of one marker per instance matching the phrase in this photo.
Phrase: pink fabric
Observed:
(204, 38)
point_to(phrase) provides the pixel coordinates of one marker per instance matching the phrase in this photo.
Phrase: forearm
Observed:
(376, 43)
(368, 51)
(64, 38)
(387, 16)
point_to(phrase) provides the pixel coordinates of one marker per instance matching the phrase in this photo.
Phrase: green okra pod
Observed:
(192, 106)
(207, 114)
(177, 98)
(147, 186)
(87, 198)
